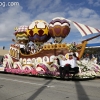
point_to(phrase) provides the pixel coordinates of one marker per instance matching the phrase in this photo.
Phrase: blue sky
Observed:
(83, 11)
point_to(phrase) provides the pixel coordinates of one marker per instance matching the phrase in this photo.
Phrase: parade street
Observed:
(17, 87)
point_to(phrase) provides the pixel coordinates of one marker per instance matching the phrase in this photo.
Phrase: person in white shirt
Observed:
(22, 48)
(61, 68)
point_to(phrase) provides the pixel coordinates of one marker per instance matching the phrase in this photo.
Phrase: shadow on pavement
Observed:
(81, 92)
(39, 91)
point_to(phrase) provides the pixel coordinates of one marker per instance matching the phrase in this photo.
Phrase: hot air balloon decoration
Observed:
(38, 32)
(59, 28)
(21, 35)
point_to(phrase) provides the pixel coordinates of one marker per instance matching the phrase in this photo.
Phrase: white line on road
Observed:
(25, 82)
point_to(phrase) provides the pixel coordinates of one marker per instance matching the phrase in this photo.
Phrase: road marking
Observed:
(26, 82)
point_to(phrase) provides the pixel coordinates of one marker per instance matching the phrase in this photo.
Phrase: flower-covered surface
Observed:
(87, 68)
(72, 47)
(21, 35)
(59, 28)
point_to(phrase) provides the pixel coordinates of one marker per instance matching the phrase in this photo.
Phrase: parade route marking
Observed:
(14, 80)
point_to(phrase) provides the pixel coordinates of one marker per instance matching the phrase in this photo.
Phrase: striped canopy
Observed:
(84, 29)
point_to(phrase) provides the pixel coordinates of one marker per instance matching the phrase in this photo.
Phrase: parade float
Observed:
(43, 62)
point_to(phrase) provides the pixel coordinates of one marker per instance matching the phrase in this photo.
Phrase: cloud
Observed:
(46, 10)
(12, 17)
(45, 15)
(40, 6)
(95, 3)
(85, 16)
(90, 1)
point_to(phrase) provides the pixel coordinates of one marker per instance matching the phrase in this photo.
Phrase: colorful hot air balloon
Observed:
(38, 32)
(21, 35)
(59, 28)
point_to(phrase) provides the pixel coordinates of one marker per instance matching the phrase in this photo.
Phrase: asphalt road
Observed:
(15, 87)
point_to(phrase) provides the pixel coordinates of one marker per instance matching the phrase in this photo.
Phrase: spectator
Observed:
(3, 47)
(1, 61)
